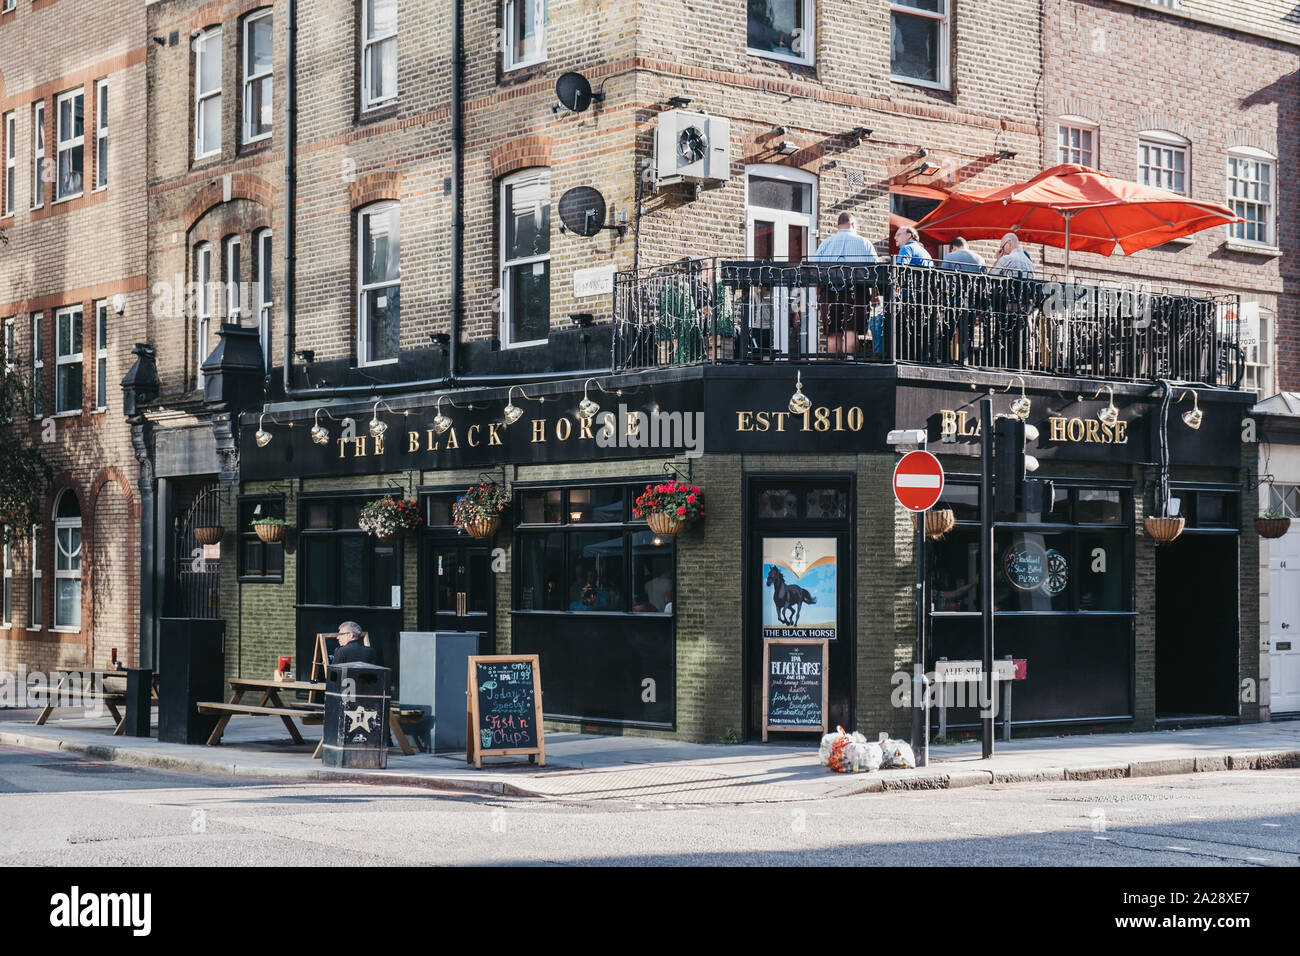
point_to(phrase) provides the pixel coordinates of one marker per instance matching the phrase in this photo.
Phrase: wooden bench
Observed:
(93, 689)
(228, 710)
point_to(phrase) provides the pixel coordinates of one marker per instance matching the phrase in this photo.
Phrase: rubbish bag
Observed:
(863, 755)
(897, 753)
(849, 753)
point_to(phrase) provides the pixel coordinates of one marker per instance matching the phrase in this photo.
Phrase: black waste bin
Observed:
(356, 716)
(139, 701)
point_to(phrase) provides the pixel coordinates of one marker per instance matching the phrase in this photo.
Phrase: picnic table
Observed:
(95, 689)
(271, 704)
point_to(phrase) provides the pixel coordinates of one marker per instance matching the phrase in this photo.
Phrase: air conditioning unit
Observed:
(692, 147)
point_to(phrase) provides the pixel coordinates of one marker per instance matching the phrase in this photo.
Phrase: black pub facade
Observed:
(640, 633)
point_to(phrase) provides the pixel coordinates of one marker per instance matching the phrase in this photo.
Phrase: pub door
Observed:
(800, 584)
(1196, 627)
(457, 587)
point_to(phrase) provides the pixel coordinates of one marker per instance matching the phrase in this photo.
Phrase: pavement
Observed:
(586, 767)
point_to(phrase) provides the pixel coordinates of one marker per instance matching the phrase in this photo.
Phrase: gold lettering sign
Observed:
(1088, 431)
(838, 419)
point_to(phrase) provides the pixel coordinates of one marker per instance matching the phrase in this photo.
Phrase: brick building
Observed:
(417, 289)
(72, 299)
(1199, 96)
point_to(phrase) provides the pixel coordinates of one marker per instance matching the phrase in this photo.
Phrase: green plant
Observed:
(683, 502)
(25, 476)
(730, 737)
(484, 500)
(389, 516)
(274, 522)
(1272, 514)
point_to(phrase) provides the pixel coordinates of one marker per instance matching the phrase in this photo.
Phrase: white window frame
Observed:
(231, 260)
(69, 143)
(202, 306)
(11, 162)
(779, 303)
(36, 587)
(363, 316)
(1250, 154)
(7, 599)
(1065, 153)
(9, 5)
(38, 154)
(944, 53)
(1164, 144)
(533, 178)
(101, 135)
(72, 358)
(38, 367)
(510, 24)
(264, 289)
(74, 560)
(205, 100)
(250, 79)
(807, 39)
(101, 355)
(10, 342)
(369, 45)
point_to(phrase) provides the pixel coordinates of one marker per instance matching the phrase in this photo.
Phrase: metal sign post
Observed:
(986, 573)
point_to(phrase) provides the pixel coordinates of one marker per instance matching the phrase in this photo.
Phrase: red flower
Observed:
(690, 499)
(681, 511)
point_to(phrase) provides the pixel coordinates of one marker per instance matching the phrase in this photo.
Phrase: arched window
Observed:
(1076, 141)
(202, 307)
(67, 562)
(1163, 160)
(263, 271)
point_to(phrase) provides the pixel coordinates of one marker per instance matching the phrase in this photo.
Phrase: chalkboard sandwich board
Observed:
(503, 715)
(794, 685)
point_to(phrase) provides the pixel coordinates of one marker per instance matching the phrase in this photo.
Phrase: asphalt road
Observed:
(60, 809)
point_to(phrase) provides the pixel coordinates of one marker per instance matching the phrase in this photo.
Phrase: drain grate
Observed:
(84, 766)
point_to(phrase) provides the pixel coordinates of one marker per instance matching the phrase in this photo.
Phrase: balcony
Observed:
(714, 311)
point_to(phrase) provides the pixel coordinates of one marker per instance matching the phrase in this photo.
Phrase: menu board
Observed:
(504, 708)
(794, 685)
(1025, 565)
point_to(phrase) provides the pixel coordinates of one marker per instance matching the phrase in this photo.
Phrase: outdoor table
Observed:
(95, 689)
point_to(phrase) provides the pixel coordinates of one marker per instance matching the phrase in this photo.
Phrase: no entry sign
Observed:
(918, 481)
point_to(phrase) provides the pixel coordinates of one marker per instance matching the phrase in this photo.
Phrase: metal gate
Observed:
(196, 581)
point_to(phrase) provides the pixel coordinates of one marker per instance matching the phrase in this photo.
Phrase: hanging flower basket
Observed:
(270, 530)
(478, 512)
(1164, 530)
(669, 507)
(938, 522)
(209, 535)
(1272, 527)
(389, 518)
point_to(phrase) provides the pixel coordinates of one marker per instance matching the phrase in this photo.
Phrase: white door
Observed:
(1284, 622)
(780, 226)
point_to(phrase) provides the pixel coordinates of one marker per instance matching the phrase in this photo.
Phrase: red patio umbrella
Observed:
(1075, 207)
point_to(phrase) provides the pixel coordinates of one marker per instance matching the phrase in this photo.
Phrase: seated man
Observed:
(1013, 261)
(351, 649)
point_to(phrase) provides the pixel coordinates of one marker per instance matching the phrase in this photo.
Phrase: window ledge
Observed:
(69, 198)
(1253, 248)
(35, 630)
(70, 413)
(921, 84)
(782, 58)
(1181, 241)
(65, 630)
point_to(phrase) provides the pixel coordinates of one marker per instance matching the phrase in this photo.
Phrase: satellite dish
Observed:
(573, 90)
(582, 210)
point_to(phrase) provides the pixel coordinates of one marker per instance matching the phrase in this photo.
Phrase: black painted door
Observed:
(457, 586)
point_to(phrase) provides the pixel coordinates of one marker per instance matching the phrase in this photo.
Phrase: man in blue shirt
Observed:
(910, 250)
(841, 307)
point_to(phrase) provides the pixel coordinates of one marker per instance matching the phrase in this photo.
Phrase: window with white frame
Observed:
(258, 112)
(263, 271)
(378, 52)
(70, 109)
(524, 27)
(782, 29)
(11, 162)
(36, 607)
(38, 154)
(7, 610)
(202, 306)
(1251, 177)
(207, 93)
(379, 278)
(1162, 160)
(38, 368)
(101, 134)
(9, 5)
(67, 360)
(8, 343)
(101, 355)
(67, 562)
(234, 298)
(919, 42)
(1076, 142)
(1255, 336)
(526, 257)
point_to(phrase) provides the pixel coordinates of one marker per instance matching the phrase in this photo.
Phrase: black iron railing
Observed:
(710, 310)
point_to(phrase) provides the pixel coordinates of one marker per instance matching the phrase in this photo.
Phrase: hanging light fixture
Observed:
(377, 428)
(512, 411)
(588, 409)
(799, 402)
(440, 421)
(1194, 416)
(262, 436)
(320, 435)
(1110, 414)
(1022, 406)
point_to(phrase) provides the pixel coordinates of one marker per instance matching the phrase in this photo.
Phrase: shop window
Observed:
(826, 503)
(258, 560)
(1100, 506)
(341, 565)
(775, 503)
(782, 29)
(437, 509)
(619, 567)
(67, 562)
(1208, 510)
(804, 500)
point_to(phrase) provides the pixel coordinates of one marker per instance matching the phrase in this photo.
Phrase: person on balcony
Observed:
(844, 308)
(1013, 261)
(910, 250)
(961, 258)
